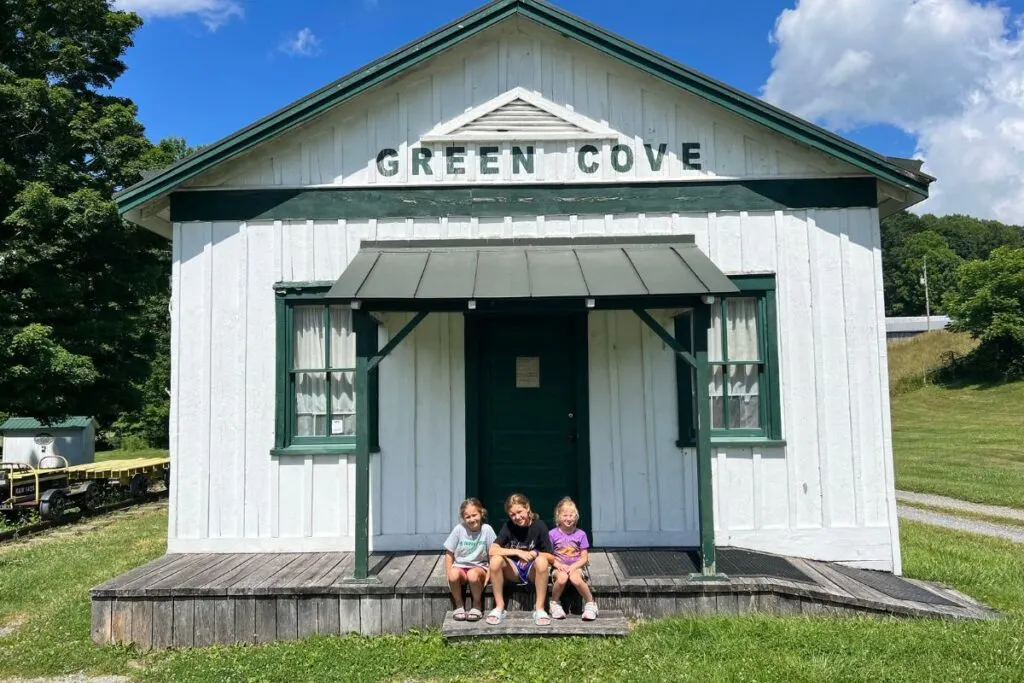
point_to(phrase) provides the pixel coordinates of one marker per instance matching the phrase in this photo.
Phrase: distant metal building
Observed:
(910, 326)
(27, 440)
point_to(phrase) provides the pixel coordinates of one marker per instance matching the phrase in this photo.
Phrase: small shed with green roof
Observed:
(28, 440)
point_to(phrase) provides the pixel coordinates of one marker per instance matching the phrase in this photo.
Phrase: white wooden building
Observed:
(583, 237)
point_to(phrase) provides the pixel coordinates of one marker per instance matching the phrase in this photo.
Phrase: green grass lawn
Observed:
(966, 442)
(131, 455)
(44, 583)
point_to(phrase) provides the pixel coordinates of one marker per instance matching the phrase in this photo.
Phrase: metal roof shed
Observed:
(28, 440)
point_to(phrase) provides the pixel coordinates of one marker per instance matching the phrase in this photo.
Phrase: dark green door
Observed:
(529, 417)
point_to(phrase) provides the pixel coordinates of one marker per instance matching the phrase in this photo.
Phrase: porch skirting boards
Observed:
(194, 600)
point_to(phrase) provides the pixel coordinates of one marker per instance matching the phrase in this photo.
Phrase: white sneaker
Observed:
(556, 610)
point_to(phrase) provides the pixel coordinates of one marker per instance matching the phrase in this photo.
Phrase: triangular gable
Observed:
(415, 54)
(519, 115)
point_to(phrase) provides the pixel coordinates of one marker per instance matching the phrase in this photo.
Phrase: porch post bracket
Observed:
(672, 342)
(367, 359)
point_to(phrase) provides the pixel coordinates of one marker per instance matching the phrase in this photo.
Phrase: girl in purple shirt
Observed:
(571, 555)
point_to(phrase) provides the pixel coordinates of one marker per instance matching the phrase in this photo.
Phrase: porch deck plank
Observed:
(437, 577)
(851, 585)
(396, 567)
(214, 571)
(337, 575)
(140, 582)
(139, 572)
(262, 574)
(202, 566)
(610, 623)
(322, 574)
(220, 584)
(283, 581)
(820, 579)
(418, 572)
(601, 574)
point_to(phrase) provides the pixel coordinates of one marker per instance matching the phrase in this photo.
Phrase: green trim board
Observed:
(568, 25)
(31, 423)
(356, 203)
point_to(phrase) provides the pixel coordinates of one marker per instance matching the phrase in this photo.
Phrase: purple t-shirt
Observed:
(568, 547)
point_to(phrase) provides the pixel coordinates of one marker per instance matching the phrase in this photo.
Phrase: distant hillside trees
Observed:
(947, 241)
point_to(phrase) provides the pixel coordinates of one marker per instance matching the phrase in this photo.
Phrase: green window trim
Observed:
(288, 296)
(762, 287)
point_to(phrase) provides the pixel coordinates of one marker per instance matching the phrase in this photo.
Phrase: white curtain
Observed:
(309, 353)
(742, 379)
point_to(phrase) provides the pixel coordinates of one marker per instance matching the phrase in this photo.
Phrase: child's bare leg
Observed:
(576, 576)
(476, 587)
(455, 578)
(498, 566)
(561, 580)
(540, 578)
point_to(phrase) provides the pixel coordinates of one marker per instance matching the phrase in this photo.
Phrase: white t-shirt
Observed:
(470, 547)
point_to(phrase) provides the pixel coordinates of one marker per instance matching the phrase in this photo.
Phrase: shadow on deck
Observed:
(194, 600)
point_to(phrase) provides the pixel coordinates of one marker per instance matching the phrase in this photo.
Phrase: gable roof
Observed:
(391, 65)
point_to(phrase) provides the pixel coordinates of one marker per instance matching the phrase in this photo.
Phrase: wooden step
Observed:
(517, 623)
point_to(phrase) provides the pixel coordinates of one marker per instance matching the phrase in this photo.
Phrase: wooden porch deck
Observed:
(196, 600)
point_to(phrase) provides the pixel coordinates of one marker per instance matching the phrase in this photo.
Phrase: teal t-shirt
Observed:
(469, 547)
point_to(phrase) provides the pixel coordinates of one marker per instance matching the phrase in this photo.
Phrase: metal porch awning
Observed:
(540, 268)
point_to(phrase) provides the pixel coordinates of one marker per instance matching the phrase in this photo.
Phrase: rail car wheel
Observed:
(139, 485)
(89, 497)
(52, 504)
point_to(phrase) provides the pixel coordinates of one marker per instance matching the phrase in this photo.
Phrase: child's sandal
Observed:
(496, 616)
(474, 615)
(459, 614)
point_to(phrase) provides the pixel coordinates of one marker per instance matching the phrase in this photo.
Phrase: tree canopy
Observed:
(76, 279)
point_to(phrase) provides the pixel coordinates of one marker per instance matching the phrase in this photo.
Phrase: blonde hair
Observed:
(472, 502)
(567, 502)
(520, 499)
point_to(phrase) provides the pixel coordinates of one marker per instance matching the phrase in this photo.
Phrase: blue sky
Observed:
(902, 77)
(202, 85)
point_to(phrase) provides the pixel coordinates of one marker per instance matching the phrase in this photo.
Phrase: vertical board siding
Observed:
(340, 147)
(834, 472)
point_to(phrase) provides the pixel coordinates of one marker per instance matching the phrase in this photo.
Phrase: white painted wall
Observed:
(341, 146)
(828, 494)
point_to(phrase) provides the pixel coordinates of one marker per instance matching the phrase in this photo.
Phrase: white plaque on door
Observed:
(527, 372)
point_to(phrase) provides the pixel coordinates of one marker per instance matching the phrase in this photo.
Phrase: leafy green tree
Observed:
(907, 292)
(988, 302)
(74, 277)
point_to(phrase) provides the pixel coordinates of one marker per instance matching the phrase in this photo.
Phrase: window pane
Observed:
(343, 338)
(741, 328)
(744, 397)
(715, 334)
(717, 398)
(311, 404)
(343, 404)
(308, 350)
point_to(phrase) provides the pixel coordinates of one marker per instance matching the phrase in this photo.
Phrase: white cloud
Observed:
(302, 44)
(948, 72)
(213, 13)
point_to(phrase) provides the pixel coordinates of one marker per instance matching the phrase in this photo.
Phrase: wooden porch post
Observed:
(367, 360)
(705, 493)
(366, 348)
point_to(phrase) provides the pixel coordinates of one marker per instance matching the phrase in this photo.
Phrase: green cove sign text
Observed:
(454, 160)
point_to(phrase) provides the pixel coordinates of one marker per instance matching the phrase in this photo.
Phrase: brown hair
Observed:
(566, 502)
(475, 503)
(520, 499)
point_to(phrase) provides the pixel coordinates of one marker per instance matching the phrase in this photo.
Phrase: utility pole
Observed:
(927, 299)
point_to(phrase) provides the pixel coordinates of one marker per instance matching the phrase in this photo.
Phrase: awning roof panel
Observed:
(530, 269)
